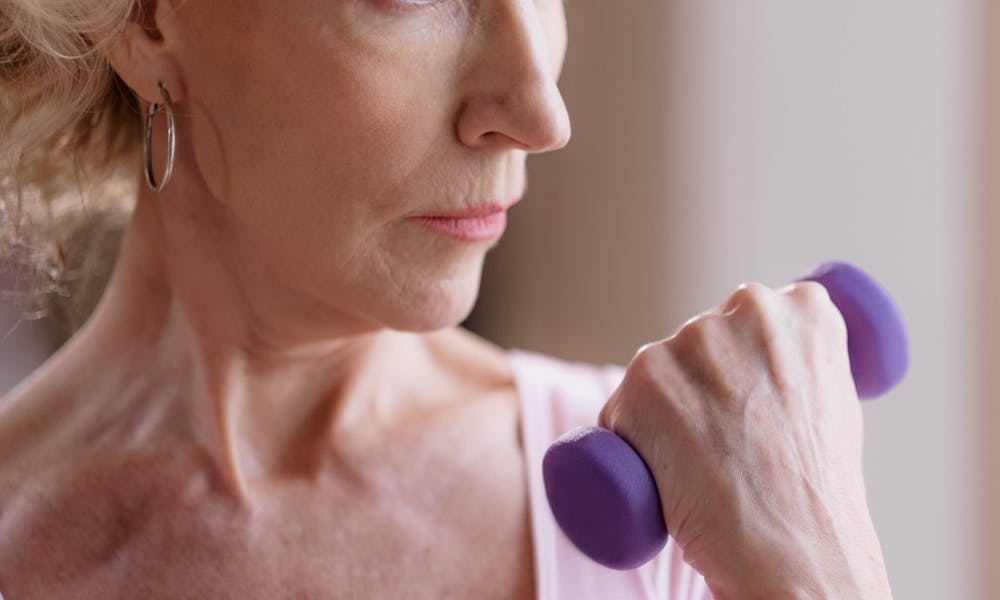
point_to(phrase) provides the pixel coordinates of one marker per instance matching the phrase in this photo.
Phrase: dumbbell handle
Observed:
(603, 495)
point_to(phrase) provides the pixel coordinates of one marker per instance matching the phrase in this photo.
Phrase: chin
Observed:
(442, 306)
(434, 317)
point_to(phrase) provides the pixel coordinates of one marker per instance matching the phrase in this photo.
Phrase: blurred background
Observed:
(720, 142)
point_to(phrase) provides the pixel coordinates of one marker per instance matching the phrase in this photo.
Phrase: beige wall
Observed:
(989, 310)
(716, 142)
(590, 227)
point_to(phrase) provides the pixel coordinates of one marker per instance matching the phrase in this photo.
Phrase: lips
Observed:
(479, 223)
(477, 211)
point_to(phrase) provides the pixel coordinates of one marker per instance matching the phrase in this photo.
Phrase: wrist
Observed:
(811, 565)
(797, 582)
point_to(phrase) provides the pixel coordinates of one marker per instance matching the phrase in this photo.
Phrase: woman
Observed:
(272, 398)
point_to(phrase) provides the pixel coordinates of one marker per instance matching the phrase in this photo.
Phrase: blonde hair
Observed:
(70, 132)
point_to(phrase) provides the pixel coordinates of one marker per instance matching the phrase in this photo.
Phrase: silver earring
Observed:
(147, 145)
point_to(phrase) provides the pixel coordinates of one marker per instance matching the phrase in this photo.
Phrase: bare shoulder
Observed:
(70, 493)
(29, 419)
(41, 449)
(38, 472)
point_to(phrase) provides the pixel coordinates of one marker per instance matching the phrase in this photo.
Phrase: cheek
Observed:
(348, 120)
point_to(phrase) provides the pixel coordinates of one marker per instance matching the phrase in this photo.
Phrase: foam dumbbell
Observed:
(603, 495)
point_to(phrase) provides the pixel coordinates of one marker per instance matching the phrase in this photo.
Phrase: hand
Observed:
(750, 423)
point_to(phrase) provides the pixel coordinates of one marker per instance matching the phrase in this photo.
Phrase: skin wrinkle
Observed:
(284, 405)
(747, 447)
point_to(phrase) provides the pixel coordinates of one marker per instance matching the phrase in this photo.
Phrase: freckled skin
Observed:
(272, 399)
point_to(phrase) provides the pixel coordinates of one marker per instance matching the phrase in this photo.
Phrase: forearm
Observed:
(811, 565)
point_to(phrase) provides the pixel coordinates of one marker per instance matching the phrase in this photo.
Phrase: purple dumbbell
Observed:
(602, 493)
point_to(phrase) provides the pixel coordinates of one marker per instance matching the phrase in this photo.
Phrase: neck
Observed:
(258, 396)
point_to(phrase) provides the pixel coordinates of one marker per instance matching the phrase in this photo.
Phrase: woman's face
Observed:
(322, 130)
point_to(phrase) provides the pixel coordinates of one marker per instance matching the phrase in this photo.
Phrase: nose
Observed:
(512, 100)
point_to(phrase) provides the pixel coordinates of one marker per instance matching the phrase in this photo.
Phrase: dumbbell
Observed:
(602, 493)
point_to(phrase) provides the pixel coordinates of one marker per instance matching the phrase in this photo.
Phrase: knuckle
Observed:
(651, 396)
(813, 299)
(753, 297)
(696, 333)
(647, 361)
(649, 376)
(810, 293)
(705, 354)
(755, 290)
(754, 305)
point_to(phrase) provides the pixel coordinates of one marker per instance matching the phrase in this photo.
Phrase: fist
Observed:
(750, 424)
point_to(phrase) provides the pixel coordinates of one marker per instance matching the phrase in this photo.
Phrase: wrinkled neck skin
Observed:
(264, 391)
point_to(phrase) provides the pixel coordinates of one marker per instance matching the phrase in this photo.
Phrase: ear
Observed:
(141, 55)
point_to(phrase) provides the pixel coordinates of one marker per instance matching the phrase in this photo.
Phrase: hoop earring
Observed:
(147, 145)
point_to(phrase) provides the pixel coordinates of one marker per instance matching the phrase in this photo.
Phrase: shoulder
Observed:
(68, 488)
(40, 485)
(38, 415)
(557, 396)
(565, 394)
(30, 420)
(67, 505)
(555, 373)
(472, 359)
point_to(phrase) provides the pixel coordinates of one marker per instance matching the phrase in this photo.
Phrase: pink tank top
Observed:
(555, 397)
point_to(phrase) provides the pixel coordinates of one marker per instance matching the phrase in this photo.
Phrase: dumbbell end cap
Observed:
(604, 498)
(877, 341)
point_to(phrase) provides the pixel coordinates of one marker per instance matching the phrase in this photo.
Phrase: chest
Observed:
(432, 526)
(397, 554)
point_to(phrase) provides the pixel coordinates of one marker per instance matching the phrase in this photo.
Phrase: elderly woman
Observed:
(272, 399)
